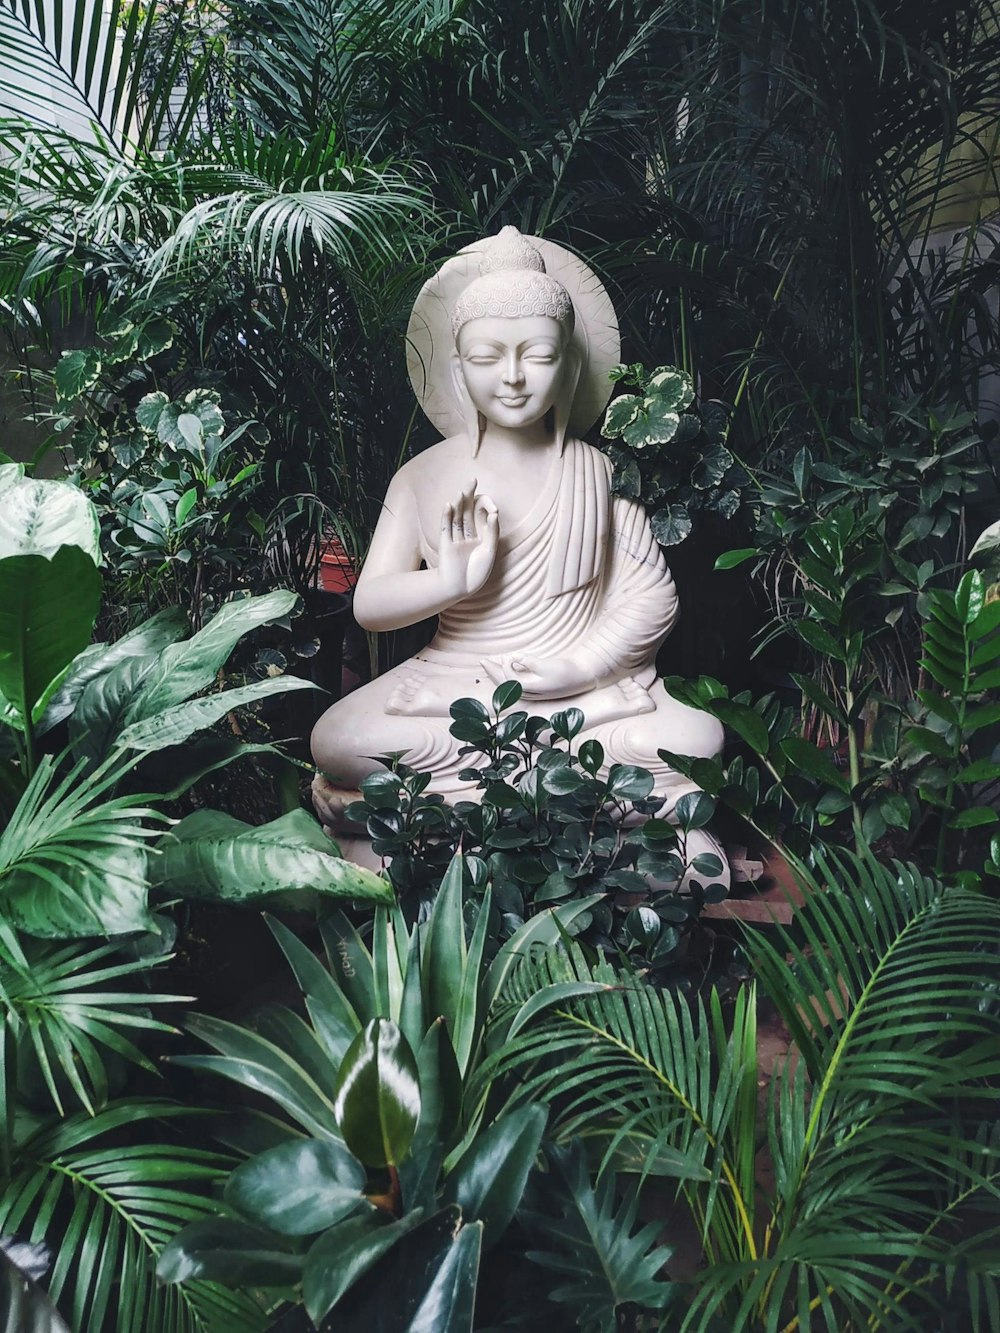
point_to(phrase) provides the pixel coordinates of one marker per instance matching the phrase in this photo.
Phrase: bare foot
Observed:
(414, 696)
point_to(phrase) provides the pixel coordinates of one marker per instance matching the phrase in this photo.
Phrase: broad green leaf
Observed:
(299, 1188)
(150, 638)
(76, 372)
(730, 559)
(211, 855)
(814, 762)
(970, 597)
(488, 1180)
(223, 1249)
(38, 517)
(693, 810)
(671, 524)
(377, 1101)
(191, 666)
(10, 475)
(47, 613)
(345, 1253)
(670, 387)
(976, 817)
(175, 725)
(621, 413)
(425, 1284)
(444, 948)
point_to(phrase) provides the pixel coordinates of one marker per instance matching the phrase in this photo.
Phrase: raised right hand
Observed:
(470, 536)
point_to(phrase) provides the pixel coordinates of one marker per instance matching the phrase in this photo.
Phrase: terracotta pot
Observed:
(336, 569)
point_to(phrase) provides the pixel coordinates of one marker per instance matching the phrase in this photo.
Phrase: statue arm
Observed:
(640, 600)
(393, 590)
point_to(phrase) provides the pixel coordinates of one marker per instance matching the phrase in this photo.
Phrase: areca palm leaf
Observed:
(344, 212)
(884, 1168)
(107, 1205)
(636, 1067)
(87, 71)
(62, 1003)
(73, 858)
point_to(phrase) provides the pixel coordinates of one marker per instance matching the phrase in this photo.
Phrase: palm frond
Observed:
(878, 1124)
(84, 76)
(73, 857)
(108, 1205)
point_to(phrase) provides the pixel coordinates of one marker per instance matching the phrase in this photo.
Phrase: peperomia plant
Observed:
(695, 473)
(551, 823)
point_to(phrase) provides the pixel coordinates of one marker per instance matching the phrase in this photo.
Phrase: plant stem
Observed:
(854, 766)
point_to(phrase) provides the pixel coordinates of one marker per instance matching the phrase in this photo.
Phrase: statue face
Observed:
(512, 368)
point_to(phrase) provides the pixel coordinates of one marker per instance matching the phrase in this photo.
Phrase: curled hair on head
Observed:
(513, 284)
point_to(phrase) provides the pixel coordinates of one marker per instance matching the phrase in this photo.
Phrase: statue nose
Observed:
(512, 372)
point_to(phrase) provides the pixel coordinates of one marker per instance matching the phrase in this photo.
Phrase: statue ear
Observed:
(474, 421)
(564, 405)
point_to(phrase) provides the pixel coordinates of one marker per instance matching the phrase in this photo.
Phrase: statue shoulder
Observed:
(597, 458)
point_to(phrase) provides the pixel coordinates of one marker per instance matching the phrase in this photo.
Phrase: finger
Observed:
(468, 511)
(447, 518)
(486, 515)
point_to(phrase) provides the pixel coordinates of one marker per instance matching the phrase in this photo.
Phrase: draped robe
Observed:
(581, 571)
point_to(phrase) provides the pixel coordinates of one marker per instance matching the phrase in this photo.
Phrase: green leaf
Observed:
(730, 559)
(506, 695)
(622, 411)
(745, 721)
(814, 762)
(173, 726)
(604, 1260)
(47, 613)
(819, 639)
(970, 597)
(671, 525)
(930, 741)
(211, 855)
(38, 517)
(377, 1095)
(187, 668)
(425, 1284)
(976, 817)
(149, 639)
(444, 952)
(76, 372)
(345, 1253)
(630, 783)
(298, 1188)
(488, 1180)
(223, 1249)
(694, 810)
(671, 389)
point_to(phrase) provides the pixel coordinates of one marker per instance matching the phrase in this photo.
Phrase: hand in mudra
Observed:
(542, 677)
(470, 535)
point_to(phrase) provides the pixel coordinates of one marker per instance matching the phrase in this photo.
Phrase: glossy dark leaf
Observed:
(488, 1180)
(345, 1253)
(377, 1095)
(223, 1249)
(299, 1188)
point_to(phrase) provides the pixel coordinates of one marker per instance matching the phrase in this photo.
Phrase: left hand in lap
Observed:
(542, 677)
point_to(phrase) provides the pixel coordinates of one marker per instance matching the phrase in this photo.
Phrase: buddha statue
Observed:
(508, 532)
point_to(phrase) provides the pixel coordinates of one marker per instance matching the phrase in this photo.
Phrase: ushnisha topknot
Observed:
(512, 284)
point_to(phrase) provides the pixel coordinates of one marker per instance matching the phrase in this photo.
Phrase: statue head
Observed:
(514, 362)
(520, 300)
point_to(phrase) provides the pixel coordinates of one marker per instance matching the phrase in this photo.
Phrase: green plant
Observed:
(551, 823)
(76, 1166)
(883, 1212)
(918, 774)
(695, 474)
(388, 1148)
